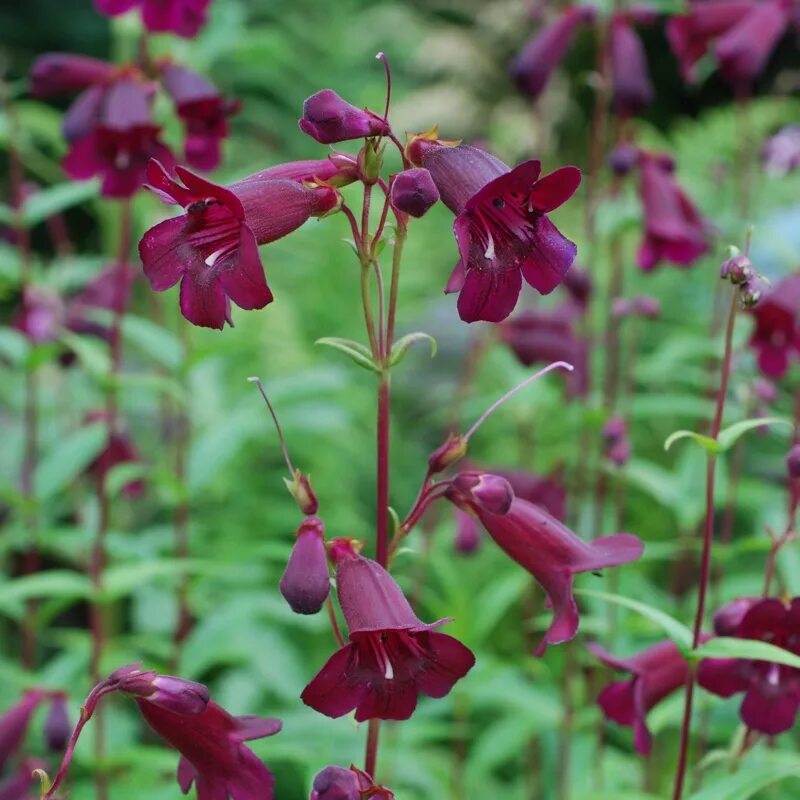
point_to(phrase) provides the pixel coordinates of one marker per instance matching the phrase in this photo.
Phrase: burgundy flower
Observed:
(690, 34)
(305, 583)
(330, 119)
(15, 721)
(771, 691)
(338, 783)
(204, 113)
(108, 291)
(468, 532)
(209, 739)
(534, 65)
(392, 657)
(727, 619)
(414, 192)
(674, 229)
(40, 315)
(655, 673)
(538, 335)
(579, 285)
(113, 136)
(57, 726)
(617, 442)
(780, 153)
(183, 17)
(20, 784)
(212, 249)
(53, 73)
(551, 552)
(793, 462)
(632, 89)
(501, 226)
(776, 337)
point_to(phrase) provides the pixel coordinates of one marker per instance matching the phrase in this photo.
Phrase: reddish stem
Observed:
(708, 540)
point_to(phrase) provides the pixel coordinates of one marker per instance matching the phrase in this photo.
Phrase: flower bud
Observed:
(342, 548)
(370, 162)
(751, 291)
(329, 119)
(414, 192)
(619, 453)
(180, 696)
(468, 533)
(300, 488)
(623, 158)
(57, 727)
(614, 430)
(451, 451)
(335, 783)
(737, 269)
(793, 461)
(491, 492)
(305, 582)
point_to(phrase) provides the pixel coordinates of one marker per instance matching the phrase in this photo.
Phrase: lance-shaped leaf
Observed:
(401, 346)
(356, 351)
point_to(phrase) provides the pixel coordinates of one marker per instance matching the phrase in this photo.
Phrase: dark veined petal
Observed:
(721, 676)
(331, 692)
(243, 276)
(386, 699)
(447, 661)
(554, 189)
(203, 301)
(158, 249)
(550, 258)
(489, 294)
(770, 712)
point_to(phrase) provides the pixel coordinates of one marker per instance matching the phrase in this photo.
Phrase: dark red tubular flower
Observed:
(305, 583)
(19, 785)
(538, 59)
(630, 78)
(119, 449)
(14, 723)
(53, 73)
(538, 335)
(212, 249)
(109, 291)
(203, 111)
(501, 227)
(579, 285)
(551, 552)
(674, 229)
(183, 17)
(771, 691)
(57, 726)
(414, 192)
(728, 618)
(743, 50)
(391, 658)
(115, 138)
(330, 119)
(690, 34)
(655, 673)
(776, 337)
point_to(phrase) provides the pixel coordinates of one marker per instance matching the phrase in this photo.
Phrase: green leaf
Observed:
(69, 458)
(676, 631)
(401, 346)
(730, 435)
(91, 352)
(51, 583)
(122, 579)
(13, 345)
(747, 782)
(120, 475)
(750, 649)
(706, 442)
(355, 350)
(160, 344)
(53, 200)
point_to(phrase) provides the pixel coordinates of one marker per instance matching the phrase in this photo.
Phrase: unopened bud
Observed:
(300, 488)
(452, 450)
(335, 783)
(305, 582)
(623, 158)
(414, 192)
(370, 161)
(793, 461)
(57, 727)
(614, 430)
(751, 291)
(491, 492)
(738, 269)
(330, 119)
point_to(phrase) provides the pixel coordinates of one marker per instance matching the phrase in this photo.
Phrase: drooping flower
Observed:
(616, 441)
(391, 657)
(183, 17)
(655, 673)
(776, 337)
(53, 73)
(15, 721)
(209, 739)
(630, 79)
(40, 315)
(551, 552)
(338, 783)
(119, 449)
(305, 582)
(538, 335)
(57, 726)
(108, 291)
(501, 227)
(674, 229)
(740, 33)
(328, 119)
(113, 136)
(20, 784)
(203, 111)
(540, 56)
(212, 249)
(771, 691)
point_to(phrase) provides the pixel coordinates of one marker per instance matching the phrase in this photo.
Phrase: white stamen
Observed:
(214, 257)
(389, 671)
(489, 248)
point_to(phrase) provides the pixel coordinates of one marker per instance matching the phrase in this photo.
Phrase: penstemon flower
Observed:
(182, 17)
